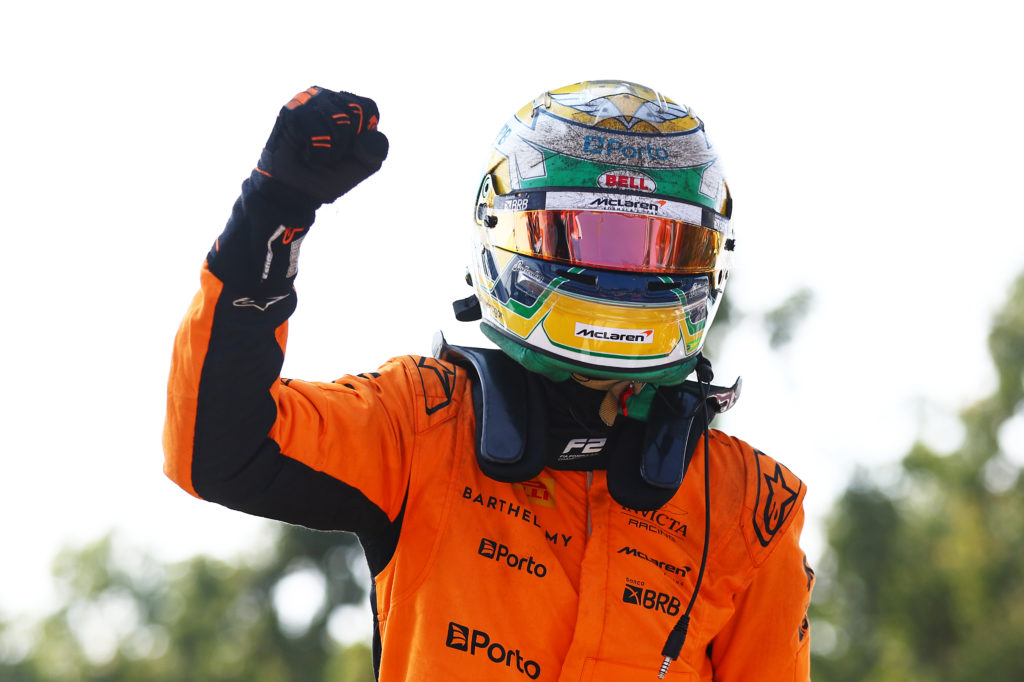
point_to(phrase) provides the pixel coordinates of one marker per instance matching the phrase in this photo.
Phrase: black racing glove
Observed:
(323, 144)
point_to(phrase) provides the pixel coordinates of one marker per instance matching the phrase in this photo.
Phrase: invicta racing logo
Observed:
(477, 642)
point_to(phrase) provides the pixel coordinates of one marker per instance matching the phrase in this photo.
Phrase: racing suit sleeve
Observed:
(768, 637)
(326, 456)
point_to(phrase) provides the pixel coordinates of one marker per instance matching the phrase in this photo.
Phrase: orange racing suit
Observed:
(474, 578)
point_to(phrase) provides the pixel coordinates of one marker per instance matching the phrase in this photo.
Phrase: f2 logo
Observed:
(588, 446)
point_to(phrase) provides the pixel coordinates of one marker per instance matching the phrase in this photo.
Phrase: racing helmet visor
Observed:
(604, 239)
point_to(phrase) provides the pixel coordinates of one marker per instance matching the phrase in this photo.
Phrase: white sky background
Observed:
(873, 150)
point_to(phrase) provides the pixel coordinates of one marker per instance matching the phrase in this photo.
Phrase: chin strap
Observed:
(617, 393)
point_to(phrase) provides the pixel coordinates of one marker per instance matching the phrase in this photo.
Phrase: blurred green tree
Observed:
(126, 618)
(924, 579)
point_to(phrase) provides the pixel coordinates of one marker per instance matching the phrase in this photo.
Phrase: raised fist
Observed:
(323, 144)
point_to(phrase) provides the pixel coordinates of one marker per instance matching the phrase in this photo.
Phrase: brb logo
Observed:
(635, 593)
(490, 549)
(461, 638)
(520, 204)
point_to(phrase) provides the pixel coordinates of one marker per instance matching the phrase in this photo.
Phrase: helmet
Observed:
(602, 236)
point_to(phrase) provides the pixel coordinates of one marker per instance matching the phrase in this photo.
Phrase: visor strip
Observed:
(611, 203)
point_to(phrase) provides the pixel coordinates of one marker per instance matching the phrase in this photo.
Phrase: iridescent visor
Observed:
(617, 241)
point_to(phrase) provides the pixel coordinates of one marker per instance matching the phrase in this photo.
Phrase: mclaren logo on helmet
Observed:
(587, 331)
(627, 205)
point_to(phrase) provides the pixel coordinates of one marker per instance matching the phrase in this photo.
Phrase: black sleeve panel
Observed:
(234, 461)
(278, 487)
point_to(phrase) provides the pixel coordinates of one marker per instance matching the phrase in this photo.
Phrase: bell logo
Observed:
(626, 179)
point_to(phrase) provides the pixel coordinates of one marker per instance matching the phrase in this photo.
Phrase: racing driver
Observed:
(556, 508)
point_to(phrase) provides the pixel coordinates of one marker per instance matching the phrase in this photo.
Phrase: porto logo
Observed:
(636, 594)
(491, 549)
(623, 149)
(458, 637)
(627, 179)
(472, 642)
(588, 331)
